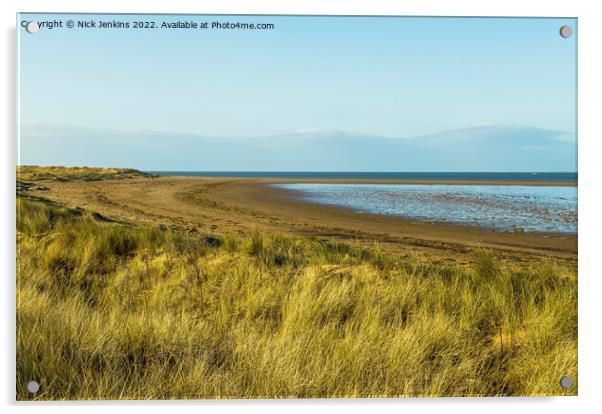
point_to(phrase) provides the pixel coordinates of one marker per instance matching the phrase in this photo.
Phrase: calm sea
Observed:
(451, 176)
(504, 207)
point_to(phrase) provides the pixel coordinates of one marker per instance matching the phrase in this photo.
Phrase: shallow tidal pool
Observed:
(504, 207)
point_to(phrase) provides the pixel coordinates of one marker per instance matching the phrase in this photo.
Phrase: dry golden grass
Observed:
(114, 311)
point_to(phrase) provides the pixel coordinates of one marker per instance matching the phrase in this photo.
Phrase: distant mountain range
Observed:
(482, 148)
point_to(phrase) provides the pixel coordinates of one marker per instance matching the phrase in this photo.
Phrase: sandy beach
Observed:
(238, 206)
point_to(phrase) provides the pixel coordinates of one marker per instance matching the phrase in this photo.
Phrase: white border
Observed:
(590, 107)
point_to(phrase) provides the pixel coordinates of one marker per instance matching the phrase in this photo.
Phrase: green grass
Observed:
(35, 173)
(115, 311)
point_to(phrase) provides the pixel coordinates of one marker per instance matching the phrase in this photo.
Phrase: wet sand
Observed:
(240, 205)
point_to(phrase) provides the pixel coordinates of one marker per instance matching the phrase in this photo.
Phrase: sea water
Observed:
(504, 207)
(437, 176)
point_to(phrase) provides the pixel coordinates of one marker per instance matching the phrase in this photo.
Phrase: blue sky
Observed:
(382, 76)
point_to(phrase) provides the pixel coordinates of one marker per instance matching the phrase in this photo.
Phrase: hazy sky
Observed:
(381, 76)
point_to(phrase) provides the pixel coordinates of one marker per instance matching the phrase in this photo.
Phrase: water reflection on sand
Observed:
(505, 207)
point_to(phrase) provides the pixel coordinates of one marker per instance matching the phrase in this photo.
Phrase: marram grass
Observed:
(57, 173)
(116, 311)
